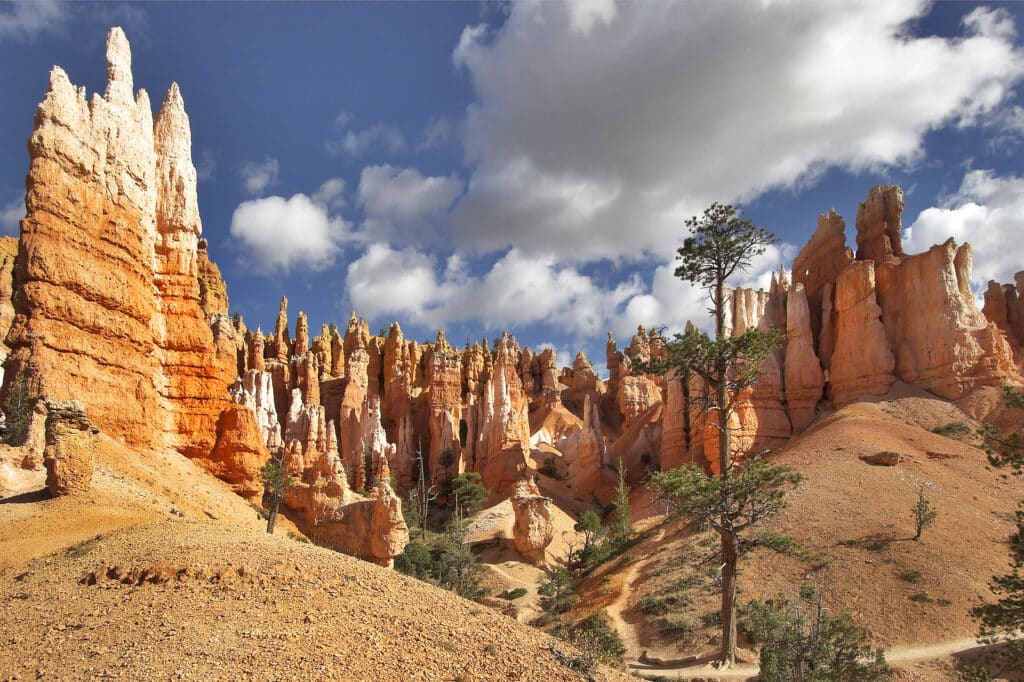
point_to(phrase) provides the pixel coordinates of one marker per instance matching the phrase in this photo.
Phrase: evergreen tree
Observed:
(720, 245)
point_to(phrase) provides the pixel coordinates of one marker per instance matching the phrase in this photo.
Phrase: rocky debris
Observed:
(71, 442)
(239, 452)
(533, 529)
(885, 458)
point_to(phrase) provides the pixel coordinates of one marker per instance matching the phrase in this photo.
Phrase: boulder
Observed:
(533, 529)
(71, 442)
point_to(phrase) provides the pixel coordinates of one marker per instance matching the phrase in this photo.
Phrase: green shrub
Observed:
(711, 619)
(549, 468)
(652, 605)
(515, 594)
(596, 637)
(912, 577)
(952, 429)
(798, 642)
(677, 627)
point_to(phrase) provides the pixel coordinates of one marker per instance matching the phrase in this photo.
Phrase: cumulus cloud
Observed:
(331, 193)
(403, 203)
(517, 290)
(380, 137)
(437, 133)
(987, 211)
(206, 166)
(25, 19)
(10, 216)
(257, 177)
(278, 234)
(599, 127)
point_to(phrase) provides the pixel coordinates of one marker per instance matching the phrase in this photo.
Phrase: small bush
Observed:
(514, 594)
(652, 605)
(711, 619)
(677, 627)
(876, 545)
(952, 429)
(595, 636)
(549, 468)
(912, 577)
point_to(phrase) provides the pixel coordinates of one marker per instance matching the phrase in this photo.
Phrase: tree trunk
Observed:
(729, 558)
(272, 517)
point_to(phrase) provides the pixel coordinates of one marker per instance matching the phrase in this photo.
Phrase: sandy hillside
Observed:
(856, 518)
(163, 573)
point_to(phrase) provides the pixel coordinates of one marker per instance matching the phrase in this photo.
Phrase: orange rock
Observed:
(503, 440)
(110, 298)
(240, 451)
(213, 292)
(940, 339)
(71, 442)
(445, 404)
(533, 529)
(636, 395)
(879, 225)
(804, 378)
(862, 363)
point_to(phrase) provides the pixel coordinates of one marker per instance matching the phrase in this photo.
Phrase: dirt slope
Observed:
(857, 517)
(161, 572)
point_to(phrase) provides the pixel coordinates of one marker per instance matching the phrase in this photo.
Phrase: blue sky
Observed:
(530, 166)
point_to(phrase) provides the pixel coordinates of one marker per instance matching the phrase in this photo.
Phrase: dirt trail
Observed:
(627, 631)
(895, 655)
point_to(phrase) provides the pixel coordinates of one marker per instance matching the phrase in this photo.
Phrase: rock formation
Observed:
(239, 453)
(533, 529)
(1004, 306)
(110, 191)
(71, 442)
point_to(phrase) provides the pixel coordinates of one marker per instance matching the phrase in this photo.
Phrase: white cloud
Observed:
(331, 194)
(278, 234)
(518, 290)
(10, 216)
(207, 164)
(356, 143)
(988, 212)
(25, 19)
(437, 132)
(598, 128)
(257, 177)
(403, 203)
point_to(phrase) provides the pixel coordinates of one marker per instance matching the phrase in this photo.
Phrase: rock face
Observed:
(71, 442)
(503, 440)
(862, 363)
(240, 451)
(887, 315)
(1004, 306)
(8, 254)
(107, 273)
(533, 529)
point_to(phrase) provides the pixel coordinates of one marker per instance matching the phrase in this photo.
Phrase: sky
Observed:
(530, 166)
